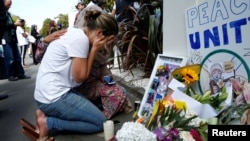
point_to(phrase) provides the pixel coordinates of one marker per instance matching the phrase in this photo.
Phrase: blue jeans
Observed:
(73, 112)
(13, 60)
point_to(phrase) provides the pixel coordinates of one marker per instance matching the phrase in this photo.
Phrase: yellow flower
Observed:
(189, 75)
(177, 73)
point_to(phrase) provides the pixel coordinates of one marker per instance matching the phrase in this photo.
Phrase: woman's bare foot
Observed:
(42, 124)
(39, 113)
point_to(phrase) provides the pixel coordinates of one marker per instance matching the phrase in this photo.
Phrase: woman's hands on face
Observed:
(101, 41)
(54, 36)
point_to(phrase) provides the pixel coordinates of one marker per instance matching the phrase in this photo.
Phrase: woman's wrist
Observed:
(93, 50)
(45, 40)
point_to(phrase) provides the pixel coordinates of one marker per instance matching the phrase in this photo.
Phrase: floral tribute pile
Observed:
(172, 120)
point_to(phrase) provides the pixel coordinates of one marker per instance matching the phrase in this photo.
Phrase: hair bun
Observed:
(92, 15)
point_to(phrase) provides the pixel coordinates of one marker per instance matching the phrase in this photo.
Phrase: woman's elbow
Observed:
(80, 79)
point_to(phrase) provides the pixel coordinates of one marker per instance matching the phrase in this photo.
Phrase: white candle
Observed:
(108, 128)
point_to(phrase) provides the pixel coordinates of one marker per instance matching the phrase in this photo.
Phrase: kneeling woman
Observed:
(66, 64)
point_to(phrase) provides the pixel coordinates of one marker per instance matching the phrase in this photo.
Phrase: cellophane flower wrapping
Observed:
(132, 131)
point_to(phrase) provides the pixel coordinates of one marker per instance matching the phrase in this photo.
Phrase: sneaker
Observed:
(12, 78)
(3, 96)
(24, 77)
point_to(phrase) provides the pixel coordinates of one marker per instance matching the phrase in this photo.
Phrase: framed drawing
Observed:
(159, 80)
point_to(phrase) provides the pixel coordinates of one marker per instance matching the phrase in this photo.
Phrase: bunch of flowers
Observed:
(189, 75)
(167, 123)
(170, 123)
(239, 111)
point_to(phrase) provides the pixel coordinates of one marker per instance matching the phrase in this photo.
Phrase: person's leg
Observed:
(72, 112)
(9, 61)
(19, 71)
(29, 50)
(2, 69)
(34, 53)
(24, 54)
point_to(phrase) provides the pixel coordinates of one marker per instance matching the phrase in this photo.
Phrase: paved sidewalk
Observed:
(20, 104)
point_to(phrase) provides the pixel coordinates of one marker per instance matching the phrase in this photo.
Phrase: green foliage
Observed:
(170, 116)
(15, 17)
(63, 19)
(109, 4)
(140, 40)
(45, 27)
(231, 113)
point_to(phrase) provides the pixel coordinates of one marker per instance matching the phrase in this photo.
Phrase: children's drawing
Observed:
(220, 75)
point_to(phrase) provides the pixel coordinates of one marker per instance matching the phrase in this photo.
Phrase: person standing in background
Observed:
(37, 36)
(52, 26)
(80, 6)
(22, 40)
(14, 68)
(59, 26)
(122, 10)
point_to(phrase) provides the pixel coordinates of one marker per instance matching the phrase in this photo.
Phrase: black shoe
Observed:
(3, 96)
(12, 78)
(24, 77)
(3, 77)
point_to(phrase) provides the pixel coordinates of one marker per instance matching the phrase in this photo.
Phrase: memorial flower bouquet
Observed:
(239, 111)
(189, 75)
(171, 122)
(235, 112)
(167, 123)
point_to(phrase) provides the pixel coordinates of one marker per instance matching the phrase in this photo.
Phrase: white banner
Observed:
(219, 31)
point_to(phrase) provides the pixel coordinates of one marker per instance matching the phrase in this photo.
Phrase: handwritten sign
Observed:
(219, 31)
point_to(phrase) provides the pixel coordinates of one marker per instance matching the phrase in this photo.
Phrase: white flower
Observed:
(196, 122)
(132, 131)
(186, 136)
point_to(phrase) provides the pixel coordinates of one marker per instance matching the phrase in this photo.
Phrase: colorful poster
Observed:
(158, 84)
(219, 31)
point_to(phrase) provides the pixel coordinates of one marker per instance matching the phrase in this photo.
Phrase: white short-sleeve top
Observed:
(54, 76)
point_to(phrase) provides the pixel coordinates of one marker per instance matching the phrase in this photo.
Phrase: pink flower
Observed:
(195, 135)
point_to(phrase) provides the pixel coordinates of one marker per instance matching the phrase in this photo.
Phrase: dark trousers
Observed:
(12, 58)
(34, 47)
(2, 68)
(23, 50)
